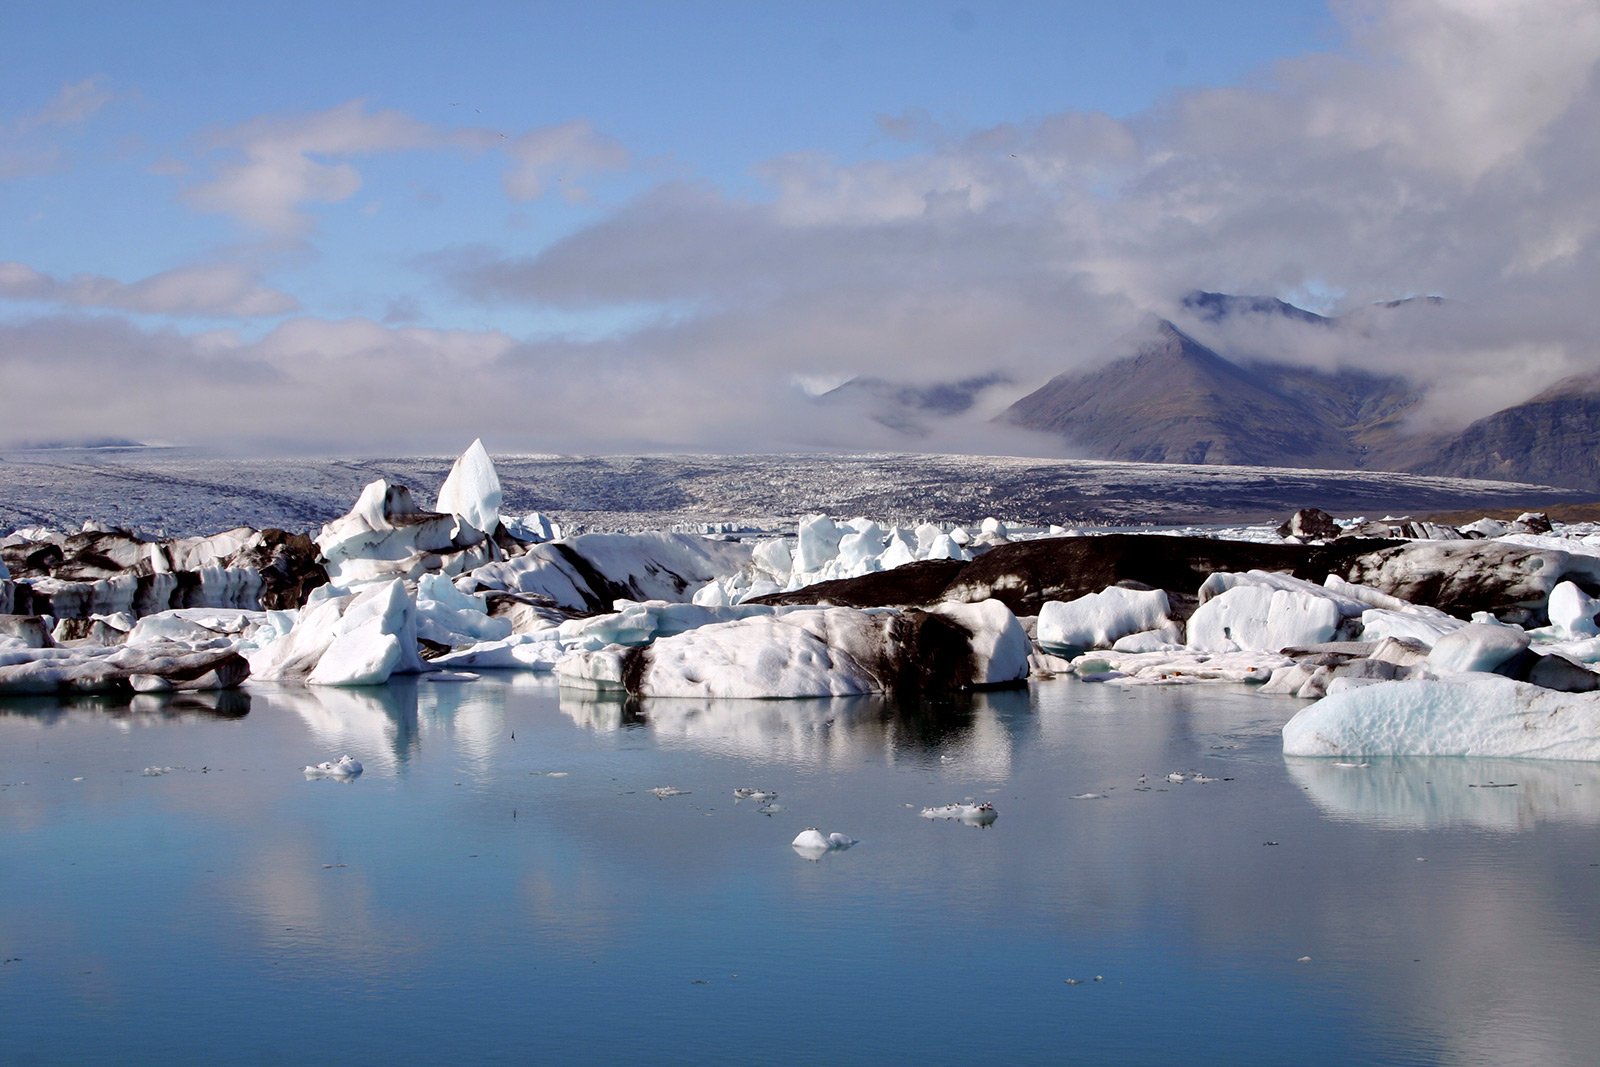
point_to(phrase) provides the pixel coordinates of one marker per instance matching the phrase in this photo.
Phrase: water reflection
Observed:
(978, 729)
(379, 722)
(1438, 792)
(210, 704)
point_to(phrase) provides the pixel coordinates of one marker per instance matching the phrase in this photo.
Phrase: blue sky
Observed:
(613, 226)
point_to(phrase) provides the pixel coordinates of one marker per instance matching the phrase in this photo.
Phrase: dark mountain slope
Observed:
(1177, 401)
(1553, 438)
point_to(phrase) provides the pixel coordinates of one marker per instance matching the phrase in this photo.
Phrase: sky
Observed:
(614, 227)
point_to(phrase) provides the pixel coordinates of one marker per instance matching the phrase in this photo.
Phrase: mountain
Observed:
(1177, 401)
(1550, 439)
(1214, 307)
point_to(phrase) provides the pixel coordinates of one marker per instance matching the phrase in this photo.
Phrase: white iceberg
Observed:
(472, 490)
(1098, 620)
(1464, 715)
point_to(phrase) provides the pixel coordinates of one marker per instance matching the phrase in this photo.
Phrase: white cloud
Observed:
(222, 289)
(274, 168)
(26, 144)
(562, 154)
(1452, 149)
(73, 104)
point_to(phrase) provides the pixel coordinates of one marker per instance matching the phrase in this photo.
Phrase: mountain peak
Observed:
(1214, 307)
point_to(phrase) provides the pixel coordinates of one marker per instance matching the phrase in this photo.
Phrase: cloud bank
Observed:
(1452, 148)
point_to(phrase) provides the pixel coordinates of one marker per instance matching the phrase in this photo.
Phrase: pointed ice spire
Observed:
(472, 491)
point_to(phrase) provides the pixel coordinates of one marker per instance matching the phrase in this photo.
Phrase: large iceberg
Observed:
(1463, 715)
(385, 535)
(818, 652)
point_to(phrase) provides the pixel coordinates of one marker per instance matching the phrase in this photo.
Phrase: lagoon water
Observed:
(502, 885)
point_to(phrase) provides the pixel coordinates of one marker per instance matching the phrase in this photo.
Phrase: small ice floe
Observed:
(1303, 959)
(1090, 796)
(1351, 766)
(770, 809)
(812, 845)
(346, 769)
(451, 676)
(1181, 777)
(664, 791)
(156, 772)
(760, 796)
(967, 812)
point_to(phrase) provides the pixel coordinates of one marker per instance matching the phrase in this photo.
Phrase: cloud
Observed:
(26, 147)
(75, 103)
(226, 290)
(288, 163)
(273, 168)
(563, 154)
(1449, 148)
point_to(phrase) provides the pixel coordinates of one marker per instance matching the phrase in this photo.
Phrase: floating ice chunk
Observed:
(1477, 647)
(1464, 715)
(1222, 581)
(341, 638)
(999, 645)
(1180, 667)
(472, 489)
(968, 812)
(818, 652)
(811, 844)
(1166, 638)
(1260, 618)
(1424, 626)
(663, 791)
(345, 768)
(1573, 611)
(1099, 619)
(810, 837)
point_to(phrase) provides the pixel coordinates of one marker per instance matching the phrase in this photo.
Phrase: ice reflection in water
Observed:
(1437, 792)
(972, 729)
(426, 905)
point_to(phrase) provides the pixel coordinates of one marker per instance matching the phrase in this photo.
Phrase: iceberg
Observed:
(818, 652)
(1464, 715)
(472, 491)
(1098, 620)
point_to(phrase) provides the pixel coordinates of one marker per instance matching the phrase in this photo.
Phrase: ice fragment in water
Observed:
(346, 769)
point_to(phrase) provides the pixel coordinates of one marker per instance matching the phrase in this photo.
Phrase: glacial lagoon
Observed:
(529, 874)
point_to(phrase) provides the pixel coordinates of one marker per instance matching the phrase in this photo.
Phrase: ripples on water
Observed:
(502, 884)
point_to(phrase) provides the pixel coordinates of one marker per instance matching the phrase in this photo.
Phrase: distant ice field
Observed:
(182, 492)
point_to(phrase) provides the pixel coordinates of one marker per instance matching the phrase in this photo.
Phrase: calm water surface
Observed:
(502, 885)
